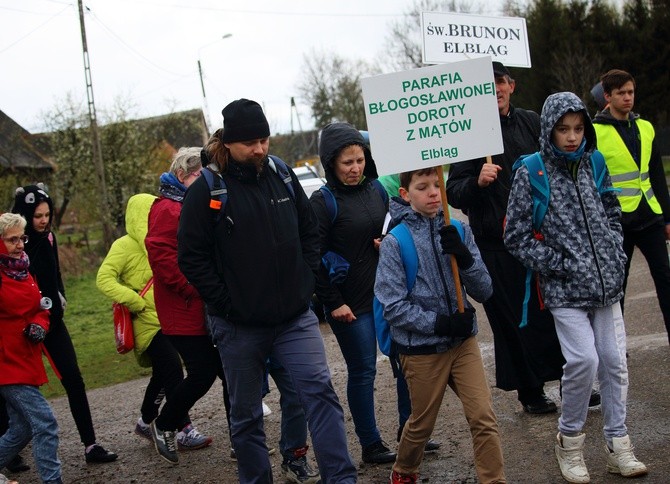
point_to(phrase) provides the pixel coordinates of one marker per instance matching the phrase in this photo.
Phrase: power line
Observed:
(266, 12)
(34, 30)
(131, 49)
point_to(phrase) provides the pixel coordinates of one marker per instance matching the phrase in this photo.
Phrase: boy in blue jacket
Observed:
(579, 256)
(436, 343)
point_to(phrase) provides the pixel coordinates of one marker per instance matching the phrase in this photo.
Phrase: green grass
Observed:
(88, 318)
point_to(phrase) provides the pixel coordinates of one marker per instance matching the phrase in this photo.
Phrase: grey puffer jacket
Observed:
(581, 259)
(412, 317)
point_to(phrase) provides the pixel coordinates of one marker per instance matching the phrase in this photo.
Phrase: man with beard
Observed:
(254, 265)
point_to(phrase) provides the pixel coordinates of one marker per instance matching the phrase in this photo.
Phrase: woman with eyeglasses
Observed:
(36, 206)
(24, 321)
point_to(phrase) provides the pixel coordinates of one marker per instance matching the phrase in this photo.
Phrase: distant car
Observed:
(309, 178)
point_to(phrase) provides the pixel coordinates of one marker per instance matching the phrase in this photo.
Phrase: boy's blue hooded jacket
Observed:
(412, 316)
(581, 259)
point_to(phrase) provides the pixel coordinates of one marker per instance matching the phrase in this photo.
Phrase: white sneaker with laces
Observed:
(266, 410)
(622, 461)
(571, 458)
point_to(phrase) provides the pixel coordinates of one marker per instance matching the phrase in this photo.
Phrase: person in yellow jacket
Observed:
(636, 168)
(123, 274)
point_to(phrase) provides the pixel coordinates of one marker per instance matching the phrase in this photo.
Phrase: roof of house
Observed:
(18, 149)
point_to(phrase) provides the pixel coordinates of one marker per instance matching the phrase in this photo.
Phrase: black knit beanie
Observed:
(244, 120)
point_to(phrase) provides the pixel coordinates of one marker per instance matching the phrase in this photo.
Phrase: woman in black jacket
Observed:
(35, 205)
(352, 230)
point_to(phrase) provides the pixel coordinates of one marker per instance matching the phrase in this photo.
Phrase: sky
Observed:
(144, 54)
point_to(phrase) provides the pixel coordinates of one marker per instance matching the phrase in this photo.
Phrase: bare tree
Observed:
(332, 88)
(403, 43)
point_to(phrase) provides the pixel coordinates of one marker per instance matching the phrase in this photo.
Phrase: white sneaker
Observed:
(571, 459)
(622, 461)
(266, 410)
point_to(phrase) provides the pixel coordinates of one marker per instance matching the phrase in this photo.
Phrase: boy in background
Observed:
(581, 264)
(436, 343)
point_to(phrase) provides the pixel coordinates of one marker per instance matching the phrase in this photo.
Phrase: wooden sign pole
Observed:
(447, 221)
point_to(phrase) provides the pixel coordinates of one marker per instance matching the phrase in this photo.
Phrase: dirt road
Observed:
(528, 441)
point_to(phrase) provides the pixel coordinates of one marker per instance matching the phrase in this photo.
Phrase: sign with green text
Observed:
(432, 116)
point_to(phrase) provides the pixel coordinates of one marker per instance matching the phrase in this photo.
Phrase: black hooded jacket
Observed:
(485, 207)
(42, 248)
(256, 265)
(360, 218)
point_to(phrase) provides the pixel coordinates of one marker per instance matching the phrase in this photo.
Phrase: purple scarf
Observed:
(16, 269)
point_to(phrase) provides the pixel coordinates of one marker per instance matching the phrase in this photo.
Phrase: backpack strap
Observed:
(218, 191)
(599, 168)
(539, 186)
(331, 202)
(381, 190)
(540, 192)
(280, 168)
(408, 254)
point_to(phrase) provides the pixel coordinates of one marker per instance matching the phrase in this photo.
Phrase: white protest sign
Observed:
(432, 116)
(452, 37)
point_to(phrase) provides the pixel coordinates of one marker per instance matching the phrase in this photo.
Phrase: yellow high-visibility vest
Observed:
(634, 182)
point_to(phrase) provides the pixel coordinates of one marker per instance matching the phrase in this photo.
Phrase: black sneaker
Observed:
(539, 406)
(295, 468)
(378, 453)
(431, 446)
(594, 399)
(165, 443)
(17, 464)
(98, 455)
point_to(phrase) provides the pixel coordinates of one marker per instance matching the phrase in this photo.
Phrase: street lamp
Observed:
(202, 82)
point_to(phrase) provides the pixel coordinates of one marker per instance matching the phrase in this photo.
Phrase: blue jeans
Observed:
(30, 417)
(358, 344)
(296, 346)
(293, 423)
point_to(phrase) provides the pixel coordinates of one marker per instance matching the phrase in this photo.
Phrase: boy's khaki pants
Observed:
(427, 378)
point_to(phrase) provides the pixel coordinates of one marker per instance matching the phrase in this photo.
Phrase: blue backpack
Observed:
(336, 265)
(540, 191)
(331, 203)
(218, 191)
(410, 261)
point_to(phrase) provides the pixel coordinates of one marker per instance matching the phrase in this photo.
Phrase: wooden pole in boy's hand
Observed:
(447, 221)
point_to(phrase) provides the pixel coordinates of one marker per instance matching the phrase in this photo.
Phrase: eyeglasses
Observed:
(16, 240)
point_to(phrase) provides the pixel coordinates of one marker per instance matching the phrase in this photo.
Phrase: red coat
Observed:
(179, 306)
(20, 360)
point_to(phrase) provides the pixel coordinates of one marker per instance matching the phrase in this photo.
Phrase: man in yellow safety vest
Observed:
(636, 168)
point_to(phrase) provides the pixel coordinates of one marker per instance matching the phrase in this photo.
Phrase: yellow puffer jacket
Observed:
(125, 271)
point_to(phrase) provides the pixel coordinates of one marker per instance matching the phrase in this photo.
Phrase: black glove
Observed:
(451, 243)
(456, 325)
(35, 333)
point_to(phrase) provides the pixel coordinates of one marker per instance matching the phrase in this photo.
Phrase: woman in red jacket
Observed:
(24, 322)
(180, 309)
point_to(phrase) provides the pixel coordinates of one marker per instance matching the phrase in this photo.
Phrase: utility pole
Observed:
(204, 96)
(107, 231)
